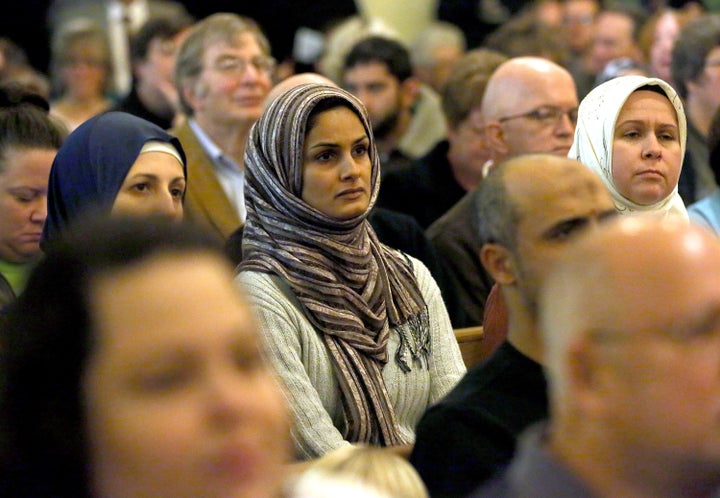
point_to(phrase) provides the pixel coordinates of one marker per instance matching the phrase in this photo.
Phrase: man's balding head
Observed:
(631, 321)
(527, 108)
(296, 80)
(529, 208)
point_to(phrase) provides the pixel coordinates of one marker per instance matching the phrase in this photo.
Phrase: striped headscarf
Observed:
(351, 287)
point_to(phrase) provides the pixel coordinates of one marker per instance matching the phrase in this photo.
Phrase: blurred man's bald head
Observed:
(297, 80)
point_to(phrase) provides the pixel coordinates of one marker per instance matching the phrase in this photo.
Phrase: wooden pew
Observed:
(472, 347)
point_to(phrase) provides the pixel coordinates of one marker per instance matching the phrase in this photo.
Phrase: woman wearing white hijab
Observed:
(632, 130)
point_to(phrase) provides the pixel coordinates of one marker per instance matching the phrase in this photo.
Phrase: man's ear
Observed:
(499, 263)
(588, 379)
(191, 93)
(409, 91)
(495, 139)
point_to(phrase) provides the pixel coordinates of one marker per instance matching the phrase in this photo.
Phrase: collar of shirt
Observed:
(137, 10)
(219, 159)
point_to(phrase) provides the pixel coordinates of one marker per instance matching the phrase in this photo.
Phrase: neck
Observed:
(467, 176)
(230, 138)
(607, 468)
(522, 327)
(155, 100)
(390, 141)
(700, 115)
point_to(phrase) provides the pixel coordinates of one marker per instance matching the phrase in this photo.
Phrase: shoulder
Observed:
(706, 212)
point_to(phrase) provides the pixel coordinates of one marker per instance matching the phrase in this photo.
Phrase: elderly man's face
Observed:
(662, 389)
(543, 118)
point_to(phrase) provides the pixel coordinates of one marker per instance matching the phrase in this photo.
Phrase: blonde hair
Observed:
(376, 468)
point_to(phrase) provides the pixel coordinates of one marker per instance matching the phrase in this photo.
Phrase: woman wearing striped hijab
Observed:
(357, 331)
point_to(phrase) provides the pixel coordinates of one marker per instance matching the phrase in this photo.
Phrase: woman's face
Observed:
(646, 156)
(84, 71)
(178, 400)
(23, 202)
(155, 185)
(336, 165)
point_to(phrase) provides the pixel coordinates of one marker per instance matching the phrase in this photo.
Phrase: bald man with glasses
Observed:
(530, 105)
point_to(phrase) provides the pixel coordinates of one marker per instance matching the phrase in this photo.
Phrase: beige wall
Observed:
(408, 17)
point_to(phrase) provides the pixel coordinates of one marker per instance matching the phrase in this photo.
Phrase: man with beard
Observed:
(435, 182)
(403, 112)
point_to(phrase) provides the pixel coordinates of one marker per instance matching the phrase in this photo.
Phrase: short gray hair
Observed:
(221, 27)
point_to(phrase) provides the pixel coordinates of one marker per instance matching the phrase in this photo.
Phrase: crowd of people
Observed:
(233, 266)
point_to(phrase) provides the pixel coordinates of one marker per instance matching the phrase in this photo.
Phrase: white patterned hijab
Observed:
(595, 132)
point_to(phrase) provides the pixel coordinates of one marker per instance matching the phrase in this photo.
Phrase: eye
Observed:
(667, 137)
(324, 156)
(163, 380)
(631, 134)
(360, 150)
(141, 187)
(24, 196)
(177, 192)
(565, 230)
(247, 360)
(24, 199)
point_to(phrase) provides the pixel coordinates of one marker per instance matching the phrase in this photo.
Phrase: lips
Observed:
(31, 237)
(352, 193)
(651, 172)
(249, 101)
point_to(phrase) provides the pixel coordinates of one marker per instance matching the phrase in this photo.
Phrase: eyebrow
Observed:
(333, 144)
(573, 225)
(154, 177)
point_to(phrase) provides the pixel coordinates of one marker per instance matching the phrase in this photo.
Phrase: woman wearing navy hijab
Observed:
(115, 163)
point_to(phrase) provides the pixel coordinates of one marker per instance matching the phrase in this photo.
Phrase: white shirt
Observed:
(137, 12)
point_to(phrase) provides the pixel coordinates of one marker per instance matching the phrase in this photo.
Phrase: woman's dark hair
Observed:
(326, 105)
(25, 123)
(45, 340)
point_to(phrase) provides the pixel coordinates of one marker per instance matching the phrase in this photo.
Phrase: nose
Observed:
(39, 211)
(652, 149)
(229, 396)
(349, 169)
(565, 126)
(168, 206)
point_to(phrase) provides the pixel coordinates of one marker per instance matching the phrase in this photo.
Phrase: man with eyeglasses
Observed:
(695, 68)
(223, 73)
(529, 105)
(630, 321)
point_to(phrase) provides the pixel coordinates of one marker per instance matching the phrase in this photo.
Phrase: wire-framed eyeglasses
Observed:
(546, 114)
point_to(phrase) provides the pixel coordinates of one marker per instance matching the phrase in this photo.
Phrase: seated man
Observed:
(633, 383)
(529, 105)
(529, 208)
(435, 182)
(403, 112)
(153, 95)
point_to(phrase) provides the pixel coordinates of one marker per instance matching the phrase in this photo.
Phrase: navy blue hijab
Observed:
(92, 164)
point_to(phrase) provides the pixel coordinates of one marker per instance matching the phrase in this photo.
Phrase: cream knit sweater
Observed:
(299, 356)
